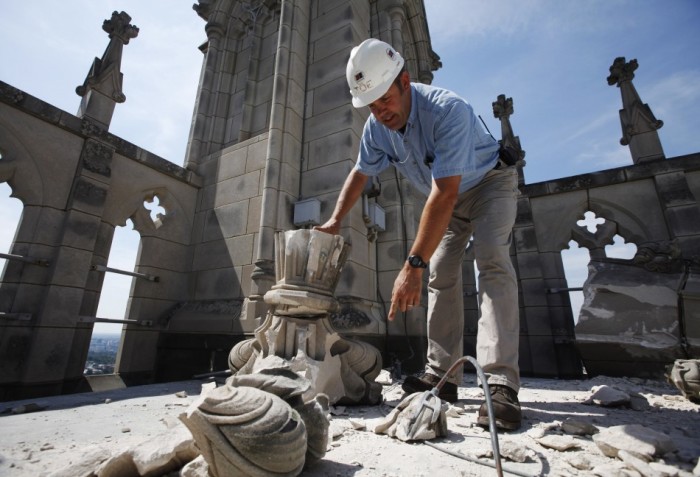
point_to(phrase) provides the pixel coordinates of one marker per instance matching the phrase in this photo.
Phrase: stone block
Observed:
(323, 180)
(71, 267)
(684, 220)
(42, 225)
(226, 221)
(330, 96)
(533, 292)
(528, 265)
(81, 230)
(16, 343)
(328, 69)
(556, 216)
(235, 189)
(537, 321)
(332, 149)
(50, 353)
(257, 154)
(331, 122)
(171, 285)
(525, 239)
(673, 189)
(219, 284)
(552, 265)
(624, 203)
(332, 17)
(232, 164)
(629, 317)
(254, 212)
(234, 251)
(342, 39)
(138, 350)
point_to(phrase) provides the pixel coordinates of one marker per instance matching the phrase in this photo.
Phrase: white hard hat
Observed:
(372, 67)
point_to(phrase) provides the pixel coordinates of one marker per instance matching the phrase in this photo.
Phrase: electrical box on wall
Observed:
(307, 212)
(377, 217)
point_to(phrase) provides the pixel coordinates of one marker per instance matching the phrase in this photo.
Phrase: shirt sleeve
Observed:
(371, 159)
(455, 142)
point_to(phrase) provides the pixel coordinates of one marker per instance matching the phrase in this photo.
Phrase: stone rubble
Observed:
(565, 433)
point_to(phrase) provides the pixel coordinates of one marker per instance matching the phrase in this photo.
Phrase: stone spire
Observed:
(502, 110)
(639, 126)
(102, 88)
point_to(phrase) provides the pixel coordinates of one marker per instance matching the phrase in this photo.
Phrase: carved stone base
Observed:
(341, 368)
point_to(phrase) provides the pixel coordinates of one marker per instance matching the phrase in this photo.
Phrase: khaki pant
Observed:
(488, 213)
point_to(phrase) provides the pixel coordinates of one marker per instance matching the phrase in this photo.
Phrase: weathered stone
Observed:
(639, 465)
(195, 468)
(91, 459)
(609, 396)
(636, 439)
(560, 443)
(629, 320)
(165, 452)
(515, 452)
(578, 428)
(247, 431)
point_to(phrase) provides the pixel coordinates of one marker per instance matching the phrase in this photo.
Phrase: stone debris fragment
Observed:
(614, 469)
(384, 378)
(560, 443)
(515, 452)
(608, 396)
(639, 465)
(685, 375)
(195, 468)
(636, 439)
(181, 394)
(166, 451)
(29, 407)
(357, 424)
(578, 428)
(92, 457)
(580, 462)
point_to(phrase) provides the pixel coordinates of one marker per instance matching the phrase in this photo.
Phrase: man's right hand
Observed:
(331, 227)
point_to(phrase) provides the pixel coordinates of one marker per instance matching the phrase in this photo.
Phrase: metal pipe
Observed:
(560, 290)
(20, 258)
(102, 268)
(16, 316)
(94, 319)
(489, 406)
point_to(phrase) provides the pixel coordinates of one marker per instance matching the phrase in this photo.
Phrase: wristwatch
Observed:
(416, 261)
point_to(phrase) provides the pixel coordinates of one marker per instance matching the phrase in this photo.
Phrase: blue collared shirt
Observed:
(442, 130)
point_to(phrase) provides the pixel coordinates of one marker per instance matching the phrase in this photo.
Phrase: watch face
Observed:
(416, 262)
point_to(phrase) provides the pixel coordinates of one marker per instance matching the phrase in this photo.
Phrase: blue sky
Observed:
(551, 56)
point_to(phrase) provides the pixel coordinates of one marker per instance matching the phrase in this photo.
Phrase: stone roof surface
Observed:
(654, 431)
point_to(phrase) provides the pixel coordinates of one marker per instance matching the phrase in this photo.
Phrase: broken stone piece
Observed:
(515, 452)
(560, 443)
(608, 396)
(247, 431)
(639, 465)
(685, 375)
(578, 428)
(636, 439)
(29, 407)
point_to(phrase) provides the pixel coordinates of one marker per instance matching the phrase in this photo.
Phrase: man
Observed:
(433, 138)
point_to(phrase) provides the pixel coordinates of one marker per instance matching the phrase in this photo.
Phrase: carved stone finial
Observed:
(102, 87)
(511, 151)
(118, 26)
(638, 123)
(621, 71)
